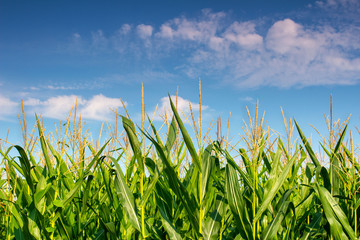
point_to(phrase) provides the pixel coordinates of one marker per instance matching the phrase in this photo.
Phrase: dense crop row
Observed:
(173, 189)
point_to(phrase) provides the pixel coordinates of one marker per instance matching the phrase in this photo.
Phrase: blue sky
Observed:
(289, 54)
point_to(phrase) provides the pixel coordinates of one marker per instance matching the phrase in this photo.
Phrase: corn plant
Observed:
(269, 189)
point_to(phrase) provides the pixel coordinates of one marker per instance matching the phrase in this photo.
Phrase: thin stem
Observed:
(200, 121)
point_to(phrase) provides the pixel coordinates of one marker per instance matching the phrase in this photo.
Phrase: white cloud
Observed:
(343, 64)
(285, 54)
(57, 86)
(99, 107)
(77, 43)
(32, 102)
(210, 31)
(55, 107)
(338, 3)
(8, 107)
(155, 77)
(99, 40)
(183, 107)
(289, 37)
(244, 35)
(166, 31)
(144, 31)
(198, 30)
(76, 36)
(289, 55)
(52, 87)
(125, 28)
(248, 99)
(217, 43)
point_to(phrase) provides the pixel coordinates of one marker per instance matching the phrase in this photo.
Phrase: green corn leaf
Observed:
(336, 229)
(230, 160)
(87, 192)
(42, 188)
(307, 146)
(335, 165)
(236, 203)
(107, 182)
(207, 168)
(273, 228)
(266, 161)
(134, 141)
(20, 235)
(334, 214)
(313, 227)
(177, 187)
(66, 176)
(156, 134)
(25, 167)
(275, 188)
(326, 178)
(283, 148)
(33, 226)
(352, 159)
(164, 200)
(325, 150)
(150, 188)
(44, 148)
(125, 196)
(246, 162)
(212, 225)
(165, 219)
(63, 203)
(15, 212)
(339, 143)
(170, 229)
(130, 168)
(186, 136)
(171, 136)
(96, 160)
(109, 228)
(150, 165)
(275, 171)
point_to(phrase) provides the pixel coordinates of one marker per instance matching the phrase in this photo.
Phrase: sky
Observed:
(289, 54)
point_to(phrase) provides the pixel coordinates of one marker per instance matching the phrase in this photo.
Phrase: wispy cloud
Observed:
(200, 30)
(183, 107)
(147, 76)
(339, 3)
(8, 107)
(248, 99)
(144, 31)
(99, 107)
(99, 40)
(125, 29)
(286, 54)
(290, 54)
(52, 87)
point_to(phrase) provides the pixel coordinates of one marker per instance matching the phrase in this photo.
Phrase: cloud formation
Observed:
(99, 107)
(144, 31)
(8, 107)
(285, 54)
(183, 107)
(338, 3)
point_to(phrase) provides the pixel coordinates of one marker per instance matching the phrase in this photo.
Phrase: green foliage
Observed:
(261, 193)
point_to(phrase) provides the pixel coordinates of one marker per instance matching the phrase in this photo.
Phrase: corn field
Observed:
(142, 184)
